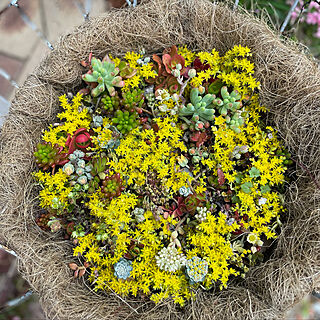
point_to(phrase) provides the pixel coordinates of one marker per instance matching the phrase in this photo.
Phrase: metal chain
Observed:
(17, 301)
(286, 21)
(133, 4)
(84, 10)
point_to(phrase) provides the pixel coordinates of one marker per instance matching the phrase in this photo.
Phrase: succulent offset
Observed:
(229, 102)
(97, 172)
(112, 186)
(200, 108)
(123, 268)
(104, 73)
(111, 103)
(125, 121)
(48, 155)
(196, 269)
(132, 100)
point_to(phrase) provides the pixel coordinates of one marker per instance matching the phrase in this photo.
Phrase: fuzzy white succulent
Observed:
(202, 214)
(170, 260)
(138, 213)
(68, 169)
(238, 151)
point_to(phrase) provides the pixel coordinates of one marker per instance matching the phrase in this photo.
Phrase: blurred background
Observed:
(28, 31)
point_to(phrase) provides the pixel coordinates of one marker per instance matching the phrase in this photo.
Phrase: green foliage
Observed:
(111, 103)
(48, 155)
(97, 172)
(200, 108)
(229, 102)
(246, 187)
(125, 121)
(133, 99)
(126, 71)
(277, 10)
(215, 87)
(229, 106)
(254, 172)
(265, 188)
(105, 74)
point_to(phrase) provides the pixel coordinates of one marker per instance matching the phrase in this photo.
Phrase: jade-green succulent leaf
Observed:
(105, 74)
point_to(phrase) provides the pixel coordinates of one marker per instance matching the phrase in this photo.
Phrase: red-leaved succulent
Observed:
(172, 59)
(177, 209)
(164, 68)
(80, 140)
(199, 138)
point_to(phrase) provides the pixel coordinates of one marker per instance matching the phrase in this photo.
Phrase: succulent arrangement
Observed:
(162, 173)
(103, 74)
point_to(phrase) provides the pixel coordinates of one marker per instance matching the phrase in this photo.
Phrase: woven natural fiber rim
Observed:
(290, 88)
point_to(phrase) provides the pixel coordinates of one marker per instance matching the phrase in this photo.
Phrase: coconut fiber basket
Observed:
(290, 88)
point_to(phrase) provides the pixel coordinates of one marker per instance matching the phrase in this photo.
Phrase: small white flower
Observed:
(175, 97)
(253, 249)
(262, 201)
(163, 94)
(253, 238)
(202, 214)
(170, 260)
(259, 243)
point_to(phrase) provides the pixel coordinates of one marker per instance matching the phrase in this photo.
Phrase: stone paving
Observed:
(21, 49)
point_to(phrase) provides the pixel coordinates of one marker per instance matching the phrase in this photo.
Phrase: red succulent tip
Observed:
(80, 140)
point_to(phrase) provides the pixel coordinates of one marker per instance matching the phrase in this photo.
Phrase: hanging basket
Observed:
(290, 89)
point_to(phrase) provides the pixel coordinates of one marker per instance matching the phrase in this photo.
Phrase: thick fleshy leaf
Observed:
(73, 266)
(221, 178)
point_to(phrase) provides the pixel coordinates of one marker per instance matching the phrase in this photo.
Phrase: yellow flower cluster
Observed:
(164, 149)
(237, 71)
(73, 120)
(213, 60)
(144, 71)
(269, 172)
(149, 151)
(146, 275)
(53, 187)
(209, 240)
(187, 54)
(101, 138)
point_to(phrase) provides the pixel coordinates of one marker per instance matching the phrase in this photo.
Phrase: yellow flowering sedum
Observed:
(54, 187)
(73, 120)
(179, 185)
